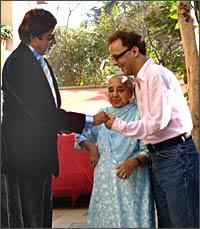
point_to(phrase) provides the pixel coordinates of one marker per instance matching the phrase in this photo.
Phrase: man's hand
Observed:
(110, 121)
(100, 118)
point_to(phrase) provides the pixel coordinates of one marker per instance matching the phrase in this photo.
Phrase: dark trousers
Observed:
(26, 202)
(175, 177)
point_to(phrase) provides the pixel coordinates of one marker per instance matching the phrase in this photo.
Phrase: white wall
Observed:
(12, 13)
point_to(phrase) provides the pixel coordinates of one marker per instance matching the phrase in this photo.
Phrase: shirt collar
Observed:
(142, 72)
(35, 53)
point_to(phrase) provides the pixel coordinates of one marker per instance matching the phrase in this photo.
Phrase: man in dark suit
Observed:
(31, 120)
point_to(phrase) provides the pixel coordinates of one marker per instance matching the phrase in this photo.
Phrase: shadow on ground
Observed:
(82, 202)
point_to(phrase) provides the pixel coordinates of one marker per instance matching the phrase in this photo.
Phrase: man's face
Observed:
(122, 57)
(44, 43)
(118, 93)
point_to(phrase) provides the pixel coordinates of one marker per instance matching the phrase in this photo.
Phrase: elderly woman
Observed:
(121, 195)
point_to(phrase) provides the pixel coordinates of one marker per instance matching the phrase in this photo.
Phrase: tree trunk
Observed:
(190, 38)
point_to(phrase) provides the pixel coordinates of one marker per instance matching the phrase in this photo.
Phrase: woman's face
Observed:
(119, 93)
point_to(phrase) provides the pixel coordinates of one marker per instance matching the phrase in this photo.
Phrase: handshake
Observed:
(102, 117)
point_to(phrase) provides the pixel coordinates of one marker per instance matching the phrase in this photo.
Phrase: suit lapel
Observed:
(41, 76)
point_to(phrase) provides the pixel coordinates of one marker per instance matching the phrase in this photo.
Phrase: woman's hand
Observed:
(93, 152)
(94, 157)
(125, 169)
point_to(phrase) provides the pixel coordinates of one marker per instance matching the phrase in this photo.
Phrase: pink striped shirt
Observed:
(163, 109)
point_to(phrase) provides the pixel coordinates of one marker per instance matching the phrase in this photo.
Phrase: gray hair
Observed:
(128, 80)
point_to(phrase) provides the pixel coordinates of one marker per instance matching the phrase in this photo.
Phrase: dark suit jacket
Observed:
(31, 120)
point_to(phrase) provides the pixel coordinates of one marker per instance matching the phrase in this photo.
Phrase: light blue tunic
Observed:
(115, 202)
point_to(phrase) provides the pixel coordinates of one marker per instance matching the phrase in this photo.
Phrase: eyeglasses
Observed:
(51, 37)
(116, 57)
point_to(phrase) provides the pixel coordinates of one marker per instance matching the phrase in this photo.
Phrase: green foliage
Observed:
(79, 53)
(152, 20)
(6, 32)
(77, 60)
(173, 14)
(186, 96)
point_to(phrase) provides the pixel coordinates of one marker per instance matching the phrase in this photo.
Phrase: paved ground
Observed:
(64, 216)
(70, 217)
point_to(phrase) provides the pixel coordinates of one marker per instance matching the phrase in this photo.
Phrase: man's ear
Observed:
(135, 50)
(33, 40)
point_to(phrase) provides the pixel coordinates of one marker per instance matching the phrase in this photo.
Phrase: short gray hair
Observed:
(128, 80)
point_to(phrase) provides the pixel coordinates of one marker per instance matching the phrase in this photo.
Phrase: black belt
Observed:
(169, 142)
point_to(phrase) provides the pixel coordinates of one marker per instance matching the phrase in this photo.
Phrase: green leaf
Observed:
(177, 26)
(174, 16)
